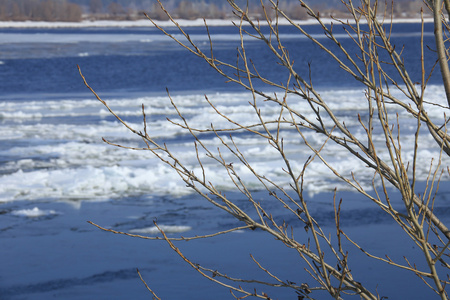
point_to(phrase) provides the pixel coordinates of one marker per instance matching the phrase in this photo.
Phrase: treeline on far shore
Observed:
(77, 10)
(67, 11)
(35, 10)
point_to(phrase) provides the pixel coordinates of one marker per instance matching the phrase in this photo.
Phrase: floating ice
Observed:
(33, 213)
(67, 159)
(166, 228)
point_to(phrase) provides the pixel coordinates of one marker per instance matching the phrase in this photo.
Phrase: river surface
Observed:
(56, 173)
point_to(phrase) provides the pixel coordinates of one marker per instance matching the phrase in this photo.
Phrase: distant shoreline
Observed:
(147, 23)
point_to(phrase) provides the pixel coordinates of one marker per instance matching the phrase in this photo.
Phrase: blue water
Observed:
(43, 67)
(59, 256)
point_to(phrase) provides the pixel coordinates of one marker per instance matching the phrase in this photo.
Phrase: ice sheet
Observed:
(67, 159)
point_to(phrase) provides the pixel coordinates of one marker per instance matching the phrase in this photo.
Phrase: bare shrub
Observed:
(376, 143)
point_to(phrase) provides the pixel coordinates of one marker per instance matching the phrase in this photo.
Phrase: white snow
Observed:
(147, 23)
